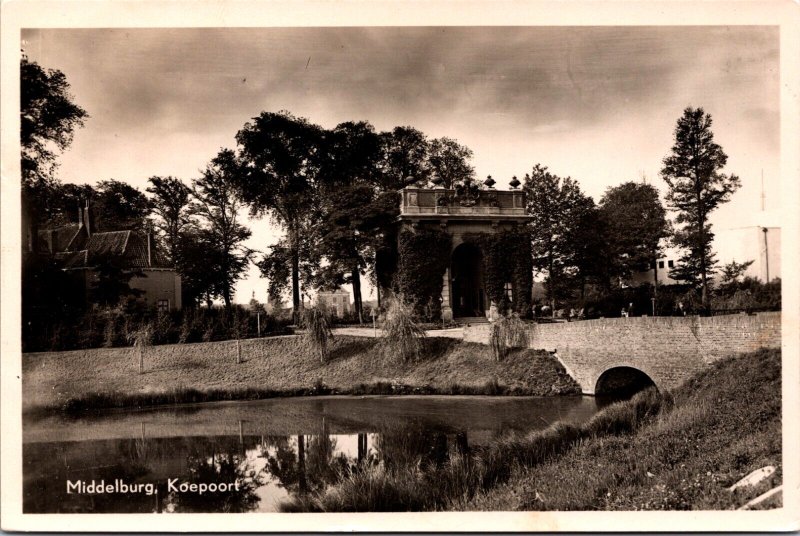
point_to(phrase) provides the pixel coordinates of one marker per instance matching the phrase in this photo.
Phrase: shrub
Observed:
(402, 336)
(505, 333)
(318, 331)
(141, 338)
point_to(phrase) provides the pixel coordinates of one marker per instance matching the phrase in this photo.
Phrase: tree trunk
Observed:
(655, 274)
(550, 287)
(295, 279)
(226, 295)
(356, 277)
(701, 221)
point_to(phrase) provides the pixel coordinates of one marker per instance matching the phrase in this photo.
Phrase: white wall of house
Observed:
(159, 285)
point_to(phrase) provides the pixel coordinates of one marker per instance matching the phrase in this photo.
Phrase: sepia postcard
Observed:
(457, 266)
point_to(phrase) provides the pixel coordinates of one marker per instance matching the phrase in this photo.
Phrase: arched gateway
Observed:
(472, 219)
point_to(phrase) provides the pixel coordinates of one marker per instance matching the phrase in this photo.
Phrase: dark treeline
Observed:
(334, 193)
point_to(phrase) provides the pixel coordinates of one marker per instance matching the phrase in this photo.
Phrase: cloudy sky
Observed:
(597, 104)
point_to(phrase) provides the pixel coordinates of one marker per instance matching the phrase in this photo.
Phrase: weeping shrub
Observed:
(317, 324)
(506, 333)
(402, 336)
(141, 338)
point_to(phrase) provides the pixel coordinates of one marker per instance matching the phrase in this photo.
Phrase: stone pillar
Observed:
(447, 309)
(492, 314)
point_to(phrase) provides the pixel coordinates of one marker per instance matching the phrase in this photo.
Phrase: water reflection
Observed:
(331, 439)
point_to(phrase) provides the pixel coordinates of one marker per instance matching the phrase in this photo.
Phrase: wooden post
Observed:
(141, 359)
(238, 351)
(258, 323)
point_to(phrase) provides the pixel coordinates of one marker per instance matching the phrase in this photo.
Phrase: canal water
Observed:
(264, 451)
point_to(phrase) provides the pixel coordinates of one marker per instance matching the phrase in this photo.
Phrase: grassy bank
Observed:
(280, 366)
(655, 452)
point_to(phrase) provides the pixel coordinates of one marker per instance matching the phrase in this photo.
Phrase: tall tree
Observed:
(119, 206)
(586, 244)
(696, 188)
(637, 224)
(281, 160)
(449, 162)
(48, 119)
(355, 225)
(356, 213)
(217, 204)
(170, 202)
(405, 158)
(555, 205)
(276, 265)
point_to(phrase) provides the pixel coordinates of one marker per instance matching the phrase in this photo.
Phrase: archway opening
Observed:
(469, 296)
(621, 383)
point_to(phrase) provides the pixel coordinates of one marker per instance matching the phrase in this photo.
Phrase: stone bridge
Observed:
(609, 354)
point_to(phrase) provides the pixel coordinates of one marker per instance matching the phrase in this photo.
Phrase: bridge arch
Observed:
(622, 382)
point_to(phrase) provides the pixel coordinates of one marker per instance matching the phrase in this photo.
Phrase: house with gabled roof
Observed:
(79, 250)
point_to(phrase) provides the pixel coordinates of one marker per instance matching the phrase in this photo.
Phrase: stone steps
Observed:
(469, 320)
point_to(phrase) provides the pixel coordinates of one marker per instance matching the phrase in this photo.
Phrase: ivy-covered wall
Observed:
(506, 258)
(423, 256)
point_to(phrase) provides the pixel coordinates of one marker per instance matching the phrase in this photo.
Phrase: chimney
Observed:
(86, 219)
(80, 216)
(150, 246)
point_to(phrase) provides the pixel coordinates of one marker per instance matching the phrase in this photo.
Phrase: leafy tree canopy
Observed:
(636, 225)
(170, 202)
(48, 119)
(697, 187)
(119, 206)
(217, 204)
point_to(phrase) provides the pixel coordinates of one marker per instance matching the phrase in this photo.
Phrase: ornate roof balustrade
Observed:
(462, 204)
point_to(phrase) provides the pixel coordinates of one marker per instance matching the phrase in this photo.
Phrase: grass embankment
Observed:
(655, 452)
(281, 366)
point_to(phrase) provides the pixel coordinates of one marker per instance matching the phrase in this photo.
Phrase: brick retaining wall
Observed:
(668, 349)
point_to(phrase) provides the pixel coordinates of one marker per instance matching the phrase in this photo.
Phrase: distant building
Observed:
(80, 249)
(337, 300)
(762, 245)
(662, 267)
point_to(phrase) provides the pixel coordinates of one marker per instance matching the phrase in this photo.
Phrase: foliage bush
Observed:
(402, 335)
(747, 295)
(423, 257)
(111, 326)
(506, 333)
(318, 334)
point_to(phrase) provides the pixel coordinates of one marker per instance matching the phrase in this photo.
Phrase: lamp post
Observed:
(766, 252)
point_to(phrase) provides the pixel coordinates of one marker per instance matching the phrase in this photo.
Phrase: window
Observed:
(671, 264)
(660, 264)
(162, 306)
(509, 292)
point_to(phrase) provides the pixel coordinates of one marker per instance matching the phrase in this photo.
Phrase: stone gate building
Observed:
(460, 214)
